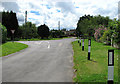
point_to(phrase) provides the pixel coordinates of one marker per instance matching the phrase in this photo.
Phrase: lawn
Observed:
(11, 47)
(95, 70)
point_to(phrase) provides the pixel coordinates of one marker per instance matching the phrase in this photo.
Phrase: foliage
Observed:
(106, 36)
(3, 30)
(9, 20)
(87, 23)
(113, 33)
(99, 32)
(43, 31)
(56, 33)
(116, 32)
(27, 31)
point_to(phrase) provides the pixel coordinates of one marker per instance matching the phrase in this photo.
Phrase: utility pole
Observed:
(25, 17)
(25, 24)
(58, 25)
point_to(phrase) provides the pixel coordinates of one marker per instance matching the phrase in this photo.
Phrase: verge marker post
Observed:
(83, 45)
(110, 66)
(80, 40)
(89, 46)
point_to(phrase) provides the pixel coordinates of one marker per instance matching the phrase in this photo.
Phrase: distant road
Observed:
(42, 61)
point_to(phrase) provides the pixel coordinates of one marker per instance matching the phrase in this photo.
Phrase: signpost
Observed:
(89, 46)
(110, 66)
(13, 31)
(83, 45)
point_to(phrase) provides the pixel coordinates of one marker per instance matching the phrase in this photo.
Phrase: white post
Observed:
(110, 66)
(80, 40)
(89, 46)
(83, 45)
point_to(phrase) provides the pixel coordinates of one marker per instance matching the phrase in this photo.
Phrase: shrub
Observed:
(4, 33)
(99, 32)
(106, 36)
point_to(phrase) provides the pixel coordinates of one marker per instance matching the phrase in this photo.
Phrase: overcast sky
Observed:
(65, 11)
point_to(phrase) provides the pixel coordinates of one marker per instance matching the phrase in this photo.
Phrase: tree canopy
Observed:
(43, 31)
(9, 20)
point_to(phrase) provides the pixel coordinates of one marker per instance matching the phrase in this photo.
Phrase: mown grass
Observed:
(95, 70)
(11, 47)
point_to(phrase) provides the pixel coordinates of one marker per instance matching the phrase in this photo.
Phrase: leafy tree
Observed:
(87, 23)
(27, 30)
(43, 31)
(9, 20)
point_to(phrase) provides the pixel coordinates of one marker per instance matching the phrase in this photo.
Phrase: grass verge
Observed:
(11, 47)
(37, 39)
(95, 70)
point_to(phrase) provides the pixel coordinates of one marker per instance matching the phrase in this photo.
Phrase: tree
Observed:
(43, 31)
(9, 20)
(87, 23)
(27, 30)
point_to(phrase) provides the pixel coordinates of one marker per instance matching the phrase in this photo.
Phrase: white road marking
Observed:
(60, 44)
(47, 42)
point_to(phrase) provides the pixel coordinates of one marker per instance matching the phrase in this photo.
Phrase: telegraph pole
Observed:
(25, 24)
(58, 25)
(25, 17)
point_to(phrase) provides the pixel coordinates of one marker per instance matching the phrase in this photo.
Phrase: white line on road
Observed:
(47, 42)
(60, 44)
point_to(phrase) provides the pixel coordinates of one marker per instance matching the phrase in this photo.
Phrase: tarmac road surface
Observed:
(42, 61)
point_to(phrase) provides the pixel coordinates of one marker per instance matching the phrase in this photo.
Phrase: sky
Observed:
(68, 12)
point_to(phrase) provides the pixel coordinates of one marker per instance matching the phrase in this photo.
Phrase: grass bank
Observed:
(95, 70)
(11, 47)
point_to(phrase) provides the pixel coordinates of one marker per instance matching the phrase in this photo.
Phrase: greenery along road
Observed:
(95, 70)
(10, 47)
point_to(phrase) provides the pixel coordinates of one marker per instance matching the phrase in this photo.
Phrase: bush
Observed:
(4, 33)
(106, 37)
(99, 32)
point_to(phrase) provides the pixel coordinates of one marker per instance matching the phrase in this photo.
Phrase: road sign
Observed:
(12, 31)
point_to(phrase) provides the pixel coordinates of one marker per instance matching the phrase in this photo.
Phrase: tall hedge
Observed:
(3, 30)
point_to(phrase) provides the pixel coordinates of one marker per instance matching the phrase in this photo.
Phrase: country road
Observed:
(42, 61)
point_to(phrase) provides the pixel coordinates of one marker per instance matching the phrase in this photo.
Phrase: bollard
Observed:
(80, 41)
(89, 46)
(110, 66)
(83, 45)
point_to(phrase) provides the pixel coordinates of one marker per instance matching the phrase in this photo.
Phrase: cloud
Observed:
(119, 10)
(10, 6)
(66, 7)
(67, 11)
